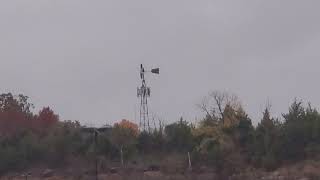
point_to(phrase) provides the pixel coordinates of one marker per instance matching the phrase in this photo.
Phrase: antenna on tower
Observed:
(144, 92)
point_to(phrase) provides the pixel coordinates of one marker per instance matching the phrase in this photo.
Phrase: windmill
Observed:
(143, 93)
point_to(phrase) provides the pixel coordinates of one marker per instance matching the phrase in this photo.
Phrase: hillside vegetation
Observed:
(224, 142)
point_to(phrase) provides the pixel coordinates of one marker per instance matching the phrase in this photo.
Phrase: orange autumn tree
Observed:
(126, 124)
(44, 120)
(123, 135)
(15, 114)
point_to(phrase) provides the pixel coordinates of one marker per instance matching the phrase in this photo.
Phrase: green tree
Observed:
(266, 145)
(179, 136)
(294, 132)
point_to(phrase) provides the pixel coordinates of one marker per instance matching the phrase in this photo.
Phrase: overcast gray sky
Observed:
(81, 57)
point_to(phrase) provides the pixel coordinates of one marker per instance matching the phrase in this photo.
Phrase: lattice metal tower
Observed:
(143, 94)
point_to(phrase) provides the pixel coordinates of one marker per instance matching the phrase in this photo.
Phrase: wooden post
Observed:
(121, 152)
(96, 152)
(190, 165)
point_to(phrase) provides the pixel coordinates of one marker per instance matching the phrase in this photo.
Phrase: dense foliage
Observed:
(224, 139)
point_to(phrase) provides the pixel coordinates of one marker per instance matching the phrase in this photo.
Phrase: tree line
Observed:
(224, 139)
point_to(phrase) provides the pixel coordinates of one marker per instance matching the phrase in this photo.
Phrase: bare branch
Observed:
(215, 103)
